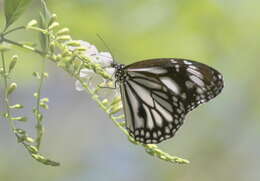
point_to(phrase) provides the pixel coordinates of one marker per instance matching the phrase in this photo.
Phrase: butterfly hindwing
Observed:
(151, 114)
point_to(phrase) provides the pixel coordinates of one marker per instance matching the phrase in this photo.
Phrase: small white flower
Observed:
(103, 58)
(91, 50)
(86, 73)
(79, 86)
(106, 59)
(110, 70)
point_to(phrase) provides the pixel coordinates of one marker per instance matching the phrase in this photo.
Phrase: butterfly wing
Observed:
(158, 93)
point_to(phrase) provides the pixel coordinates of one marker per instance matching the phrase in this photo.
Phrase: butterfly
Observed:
(157, 94)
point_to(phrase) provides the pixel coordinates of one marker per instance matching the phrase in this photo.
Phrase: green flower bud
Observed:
(63, 31)
(35, 94)
(31, 24)
(20, 131)
(16, 106)
(37, 75)
(53, 25)
(116, 109)
(44, 106)
(22, 119)
(63, 38)
(32, 149)
(105, 102)
(11, 88)
(13, 63)
(45, 75)
(44, 100)
(29, 139)
(73, 43)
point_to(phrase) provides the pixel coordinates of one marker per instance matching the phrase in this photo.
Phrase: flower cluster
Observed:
(93, 80)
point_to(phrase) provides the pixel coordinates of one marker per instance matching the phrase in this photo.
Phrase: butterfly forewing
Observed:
(158, 93)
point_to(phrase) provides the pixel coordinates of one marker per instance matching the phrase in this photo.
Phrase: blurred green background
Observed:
(220, 138)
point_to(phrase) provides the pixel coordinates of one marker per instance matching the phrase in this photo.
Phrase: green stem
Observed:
(6, 101)
(12, 30)
(39, 125)
(24, 46)
(43, 54)
(1, 38)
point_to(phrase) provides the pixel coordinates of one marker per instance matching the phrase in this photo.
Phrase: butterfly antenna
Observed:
(107, 47)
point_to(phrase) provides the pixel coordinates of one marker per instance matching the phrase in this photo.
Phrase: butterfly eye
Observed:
(157, 94)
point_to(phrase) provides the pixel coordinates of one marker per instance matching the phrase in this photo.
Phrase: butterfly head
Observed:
(119, 71)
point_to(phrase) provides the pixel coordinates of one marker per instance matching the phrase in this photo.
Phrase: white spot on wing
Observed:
(150, 124)
(159, 133)
(167, 130)
(164, 103)
(149, 117)
(171, 84)
(148, 83)
(158, 119)
(174, 61)
(194, 72)
(164, 112)
(187, 62)
(155, 135)
(197, 80)
(142, 132)
(189, 84)
(153, 70)
(167, 136)
(147, 135)
(170, 126)
(183, 95)
(131, 101)
(199, 90)
(142, 92)
(162, 94)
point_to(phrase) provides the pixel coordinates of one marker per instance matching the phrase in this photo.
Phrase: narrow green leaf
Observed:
(45, 12)
(13, 10)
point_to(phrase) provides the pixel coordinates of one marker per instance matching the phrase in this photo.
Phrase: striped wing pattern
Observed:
(158, 93)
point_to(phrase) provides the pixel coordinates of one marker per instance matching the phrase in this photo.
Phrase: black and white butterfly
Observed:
(158, 93)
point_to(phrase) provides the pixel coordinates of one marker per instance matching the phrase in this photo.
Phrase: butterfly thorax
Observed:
(120, 73)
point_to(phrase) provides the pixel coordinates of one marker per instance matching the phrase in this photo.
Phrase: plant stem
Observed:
(24, 46)
(12, 30)
(6, 101)
(38, 125)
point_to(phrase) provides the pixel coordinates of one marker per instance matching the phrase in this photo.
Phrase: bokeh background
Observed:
(220, 138)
